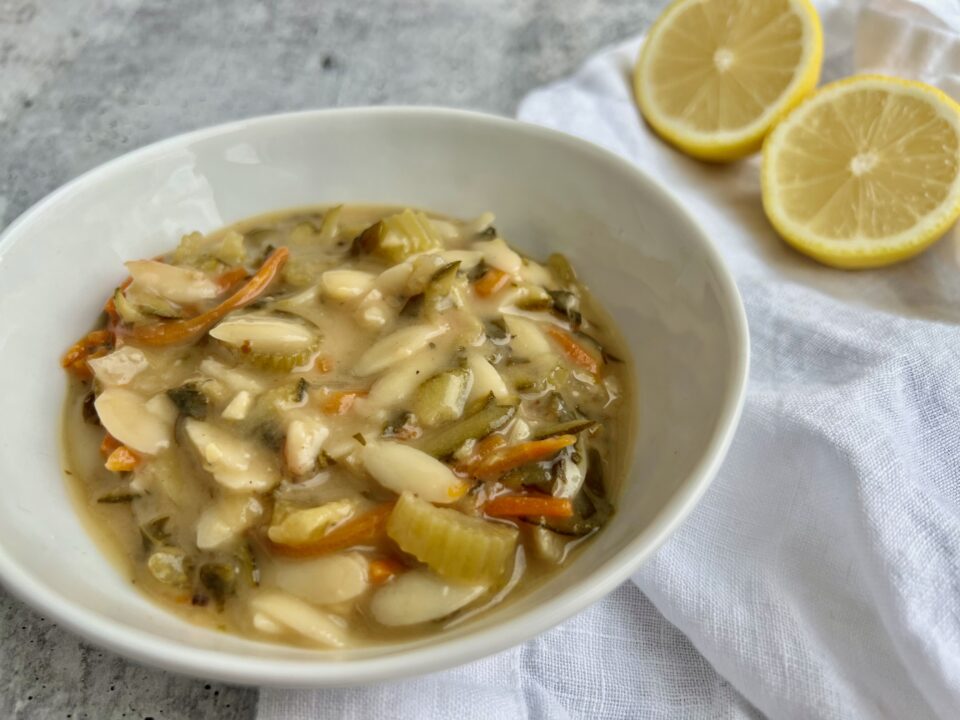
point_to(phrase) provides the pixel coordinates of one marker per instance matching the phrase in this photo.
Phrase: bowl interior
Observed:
(641, 255)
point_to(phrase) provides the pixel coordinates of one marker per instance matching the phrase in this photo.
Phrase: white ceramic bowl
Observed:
(644, 256)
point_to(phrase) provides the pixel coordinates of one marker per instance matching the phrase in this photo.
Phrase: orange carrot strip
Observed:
(521, 454)
(228, 279)
(577, 353)
(123, 459)
(488, 445)
(109, 444)
(324, 363)
(93, 345)
(181, 331)
(491, 281)
(506, 506)
(339, 402)
(366, 529)
(481, 451)
(382, 569)
(110, 308)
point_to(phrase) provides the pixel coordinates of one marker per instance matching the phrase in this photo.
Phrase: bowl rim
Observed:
(443, 654)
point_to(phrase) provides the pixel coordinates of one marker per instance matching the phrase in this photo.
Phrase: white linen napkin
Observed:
(820, 575)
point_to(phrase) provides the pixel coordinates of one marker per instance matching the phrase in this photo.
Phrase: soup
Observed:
(345, 426)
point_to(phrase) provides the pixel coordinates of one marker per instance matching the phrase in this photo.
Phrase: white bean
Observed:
(481, 223)
(294, 614)
(181, 285)
(343, 285)
(126, 415)
(498, 254)
(120, 366)
(304, 440)
(396, 347)
(392, 281)
(162, 407)
(373, 311)
(323, 580)
(528, 340)
(237, 408)
(536, 274)
(265, 625)
(402, 468)
(264, 334)
(221, 524)
(396, 385)
(549, 545)
(235, 464)
(486, 379)
(419, 596)
(236, 380)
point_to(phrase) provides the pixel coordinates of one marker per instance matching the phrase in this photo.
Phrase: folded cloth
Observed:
(820, 575)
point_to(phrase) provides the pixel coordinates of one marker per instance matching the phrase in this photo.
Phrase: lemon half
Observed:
(866, 172)
(714, 76)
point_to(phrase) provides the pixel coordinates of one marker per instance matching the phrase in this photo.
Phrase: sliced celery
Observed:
(454, 545)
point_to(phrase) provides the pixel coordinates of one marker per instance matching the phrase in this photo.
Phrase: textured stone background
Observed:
(82, 81)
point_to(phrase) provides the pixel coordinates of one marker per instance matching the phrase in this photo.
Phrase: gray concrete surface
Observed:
(84, 81)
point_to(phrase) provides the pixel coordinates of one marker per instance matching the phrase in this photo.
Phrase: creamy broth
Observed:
(346, 426)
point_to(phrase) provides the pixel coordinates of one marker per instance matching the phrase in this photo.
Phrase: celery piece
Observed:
(397, 237)
(441, 398)
(454, 545)
(443, 442)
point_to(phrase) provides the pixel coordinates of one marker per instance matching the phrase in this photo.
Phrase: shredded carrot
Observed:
(505, 506)
(488, 445)
(110, 308)
(93, 345)
(119, 457)
(228, 279)
(481, 451)
(338, 402)
(123, 459)
(491, 281)
(382, 569)
(514, 456)
(109, 444)
(366, 529)
(324, 363)
(577, 353)
(181, 331)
